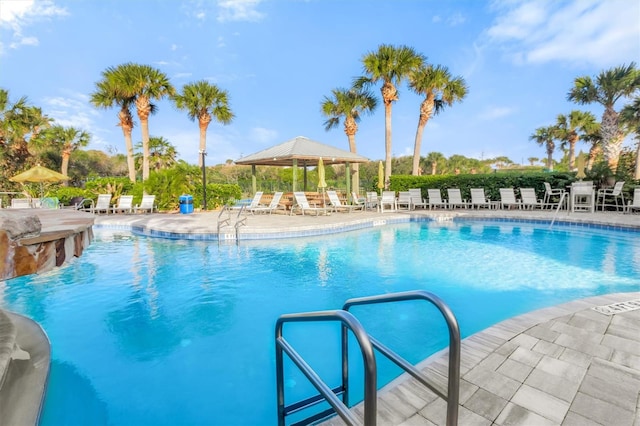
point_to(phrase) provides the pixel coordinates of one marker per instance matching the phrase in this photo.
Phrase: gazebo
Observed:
(301, 152)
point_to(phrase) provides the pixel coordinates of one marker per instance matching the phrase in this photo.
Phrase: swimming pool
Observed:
(152, 331)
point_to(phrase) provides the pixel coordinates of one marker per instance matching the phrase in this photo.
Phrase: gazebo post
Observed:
(295, 172)
(304, 174)
(348, 176)
(254, 184)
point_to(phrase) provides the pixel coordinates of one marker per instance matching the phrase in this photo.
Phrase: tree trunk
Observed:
(611, 138)
(203, 121)
(64, 169)
(127, 127)
(389, 94)
(434, 167)
(550, 160)
(144, 110)
(350, 129)
(426, 109)
(573, 139)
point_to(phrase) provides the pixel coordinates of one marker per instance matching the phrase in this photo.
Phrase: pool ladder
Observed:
(226, 222)
(367, 343)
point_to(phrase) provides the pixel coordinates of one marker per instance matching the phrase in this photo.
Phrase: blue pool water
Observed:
(148, 331)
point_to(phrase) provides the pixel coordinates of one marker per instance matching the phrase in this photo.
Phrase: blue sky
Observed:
(279, 58)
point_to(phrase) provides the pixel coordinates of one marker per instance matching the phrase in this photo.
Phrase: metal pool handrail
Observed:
(453, 387)
(330, 395)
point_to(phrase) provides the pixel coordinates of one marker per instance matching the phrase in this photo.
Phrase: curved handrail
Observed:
(366, 348)
(453, 386)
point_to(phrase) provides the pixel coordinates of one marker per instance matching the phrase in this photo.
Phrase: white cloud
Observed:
(180, 75)
(262, 135)
(239, 10)
(595, 32)
(456, 19)
(494, 113)
(16, 15)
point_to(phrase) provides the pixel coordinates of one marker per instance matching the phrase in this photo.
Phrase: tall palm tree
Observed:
(630, 118)
(532, 160)
(568, 129)
(348, 105)
(440, 89)
(594, 139)
(162, 154)
(108, 95)
(433, 159)
(67, 139)
(545, 136)
(204, 101)
(389, 65)
(143, 84)
(608, 87)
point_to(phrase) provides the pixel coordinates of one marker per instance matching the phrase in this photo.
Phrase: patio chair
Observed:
(358, 201)
(20, 203)
(303, 205)
(529, 200)
(455, 199)
(255, 202)
(404, 199)
(478, 199)
(615, 193)
(336, 204)
(435, 199)
(416, 198)
(79, 203)
(274, 205)
(508, 198)
(549, 193)
(103, 204)
(147, 204)
(582, 196)
(125, 204)
(372, 201)
(388, 199)
(635, 203)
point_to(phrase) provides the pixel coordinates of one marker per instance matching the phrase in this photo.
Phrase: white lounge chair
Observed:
(103, 204)
(388, 199)
(20, 203)
(582, 196)
(147, 204)
(529, 199)
(478, 199)
(635, 203)
(404, 199)
(435, 199)
(302, 204)
(455, 199)
(549, 193)
(372, 201)
(508, 198)
(336, 204)
(416, 198)
(615, 193)
(255, 202)
(125, 204)
(358, 201)
(274, 205)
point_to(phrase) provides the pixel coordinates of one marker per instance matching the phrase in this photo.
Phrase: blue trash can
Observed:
(186, 204)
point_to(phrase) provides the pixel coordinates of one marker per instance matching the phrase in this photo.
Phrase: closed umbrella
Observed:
(39, 174)
(580, 166)
(321, 181)
(380, 176)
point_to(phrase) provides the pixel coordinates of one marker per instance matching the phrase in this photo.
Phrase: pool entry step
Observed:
(338, 396)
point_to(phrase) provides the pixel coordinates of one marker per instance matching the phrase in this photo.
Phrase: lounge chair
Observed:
(255, 202)
(274, 205)
(125, 204)
(416, 198)
(435, 199)
(302, 204)
(529, 199)
(103, 204)
(358, 201)
(388, 199)
(582, 196)
(615, 193)
(455, 199)
(79, 203)
(147, 204)
(549, 193)
(635, 203)
(336, 204)
(21, 203)
(508, 198)
(478, 199)
(404, 199)
(372, 201)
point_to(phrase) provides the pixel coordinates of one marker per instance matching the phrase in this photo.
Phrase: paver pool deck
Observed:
(567, 364)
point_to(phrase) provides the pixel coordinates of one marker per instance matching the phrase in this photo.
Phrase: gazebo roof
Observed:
(306, 151)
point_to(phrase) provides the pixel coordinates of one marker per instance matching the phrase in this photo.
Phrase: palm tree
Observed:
(439, 89)
(545, 136)
(594, 139)
(107, 95)
(389, 65)
(608, 87)
(348, 104)
(630, 118)
(143, 84)
(433, 159)
(67, 139)
(204, 101)
(532, 160)
(162, 154)
(568, 130)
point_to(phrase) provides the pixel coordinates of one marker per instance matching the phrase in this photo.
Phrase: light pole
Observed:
(203, 154)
